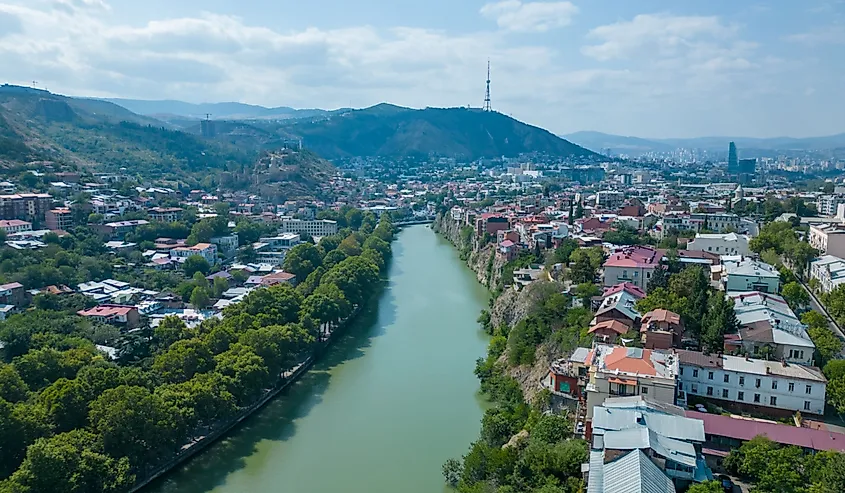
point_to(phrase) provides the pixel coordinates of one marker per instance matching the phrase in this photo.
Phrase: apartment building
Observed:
(829, 271)
(720, 244)
(59, 219)
(165, 214)
(15, 225)
(768, 327)
(27, 206)
(771, 387)
(720, 223)
(828, 239)
(610, 200)
(827, 205)
(316, 227)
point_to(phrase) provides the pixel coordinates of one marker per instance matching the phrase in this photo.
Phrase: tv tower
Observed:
(487, 106)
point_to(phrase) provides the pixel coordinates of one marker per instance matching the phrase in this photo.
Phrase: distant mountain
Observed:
(599, 142)
(636, 146)
(388, 130)
(179, 110)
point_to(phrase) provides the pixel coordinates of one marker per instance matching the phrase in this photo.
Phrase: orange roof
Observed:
(619, 381)
(618, 359)
(613, 325)
(661, 315)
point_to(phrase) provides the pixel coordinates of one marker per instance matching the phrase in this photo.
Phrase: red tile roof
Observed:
(613, 325)
(637, 256)
(106, 311)
(661, 315)
(625, 286)
(618, 359)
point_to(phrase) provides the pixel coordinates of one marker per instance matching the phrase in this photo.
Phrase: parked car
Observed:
(727, 483)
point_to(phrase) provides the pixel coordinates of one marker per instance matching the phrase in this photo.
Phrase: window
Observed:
(709, 390)
(680, 385)
(758, 383)
(808, 389)
(727, 378)
(774, 384)
(695, 373)
(709, 375)
(791, 387)
(625, 274)
(742, 380)
(806, 405)
(644, 390)
(756, 397)
(773, 401)
(694, 389)
(648, 275)
(740, 396)
(724, 393)
(682, 370)
(636, 273)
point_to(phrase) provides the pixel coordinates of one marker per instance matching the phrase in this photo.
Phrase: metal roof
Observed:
(632, 473)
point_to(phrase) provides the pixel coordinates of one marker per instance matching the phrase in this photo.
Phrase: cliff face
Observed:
(511, 306)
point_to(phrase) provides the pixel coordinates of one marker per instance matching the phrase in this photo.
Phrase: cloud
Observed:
(514, 15)
(9, 24)
(658, 34)
(829, 35)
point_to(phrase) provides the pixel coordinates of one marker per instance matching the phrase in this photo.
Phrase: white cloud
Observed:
(833, 34)
(514, 15)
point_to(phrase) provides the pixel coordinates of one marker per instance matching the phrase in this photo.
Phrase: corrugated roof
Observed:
(634, 472)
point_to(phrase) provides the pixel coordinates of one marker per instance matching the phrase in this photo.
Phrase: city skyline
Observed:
(654, 70)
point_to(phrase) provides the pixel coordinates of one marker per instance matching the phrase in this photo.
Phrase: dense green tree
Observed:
(194, 264)
(585, 292)
(20, 425)
(12, 387)
(41, 367)
(244, 373)
(719, 319)
(199, 298)
(182, 360)
(302, 260)
(706, 487)
(356, 278)
(659, 278)
(795, 295)
(66, 403)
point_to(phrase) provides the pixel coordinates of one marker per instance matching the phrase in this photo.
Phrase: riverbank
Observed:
(392, 399)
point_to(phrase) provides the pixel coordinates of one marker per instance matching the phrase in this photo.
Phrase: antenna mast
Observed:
(487, 106)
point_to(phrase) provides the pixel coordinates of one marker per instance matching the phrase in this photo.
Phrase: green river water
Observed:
(387, 405)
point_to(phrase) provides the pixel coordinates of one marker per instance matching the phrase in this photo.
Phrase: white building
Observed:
(207, 251)
(827, 205)
(752, 382)
(720, 244)
(769, 327)
(316, 227)
(721, 223)
(226, 243)
(15, 225)
(828, 239)
(829, 271)
(750, 275)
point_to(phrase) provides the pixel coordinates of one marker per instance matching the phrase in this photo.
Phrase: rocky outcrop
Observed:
(480, 257)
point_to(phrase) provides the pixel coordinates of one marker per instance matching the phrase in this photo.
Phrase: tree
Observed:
(585, 292)
(168, 331)
(659, 278)
(72, 462)
(244, 373)
(354, 218)
(66, 403)
(12, 387)
(828, 346)
(194, 264)
(181, 361)
(356, 277)
(219, 286)
(719, 319)
(302, 260)
(452, 472)
(199, 298)
(706, 487)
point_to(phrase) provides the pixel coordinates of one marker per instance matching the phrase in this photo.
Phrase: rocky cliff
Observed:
(480, 257)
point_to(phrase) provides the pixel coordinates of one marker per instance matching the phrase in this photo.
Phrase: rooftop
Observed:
(637, 256)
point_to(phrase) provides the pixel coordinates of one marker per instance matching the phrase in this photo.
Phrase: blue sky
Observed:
(646, 68)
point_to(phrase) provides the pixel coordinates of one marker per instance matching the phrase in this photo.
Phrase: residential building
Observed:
(610, 200)
(618, 303)
(60, 219)
(226, 244)
(316, 227)
(720, 223)
(769, 328)
(126, 316)
(661, 329)
(637, 444)
(750, 275)
(491, 224)
(771, 387)
(828, 239)
(207, 251)
(13, 293)
(284, 241)
(15, 225)
(828, 205)
(27, 206)
(165, 214)
(633, 265)
(278, 278)
(618, 371)
(720, 244)
(829, 271)
(608, 331)
(118, 229)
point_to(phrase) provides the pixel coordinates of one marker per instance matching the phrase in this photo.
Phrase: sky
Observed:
(646, 68)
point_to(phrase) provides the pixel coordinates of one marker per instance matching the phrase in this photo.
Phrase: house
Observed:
(165, 214)
(13, 293)
(618, 371)
(507, 250)
(829, 271)
(750, 275)
(637, 444)
(661, 329)
(15, 225)
(118, 229)
(769, 327)
(633, 265)
(6, 311)
(772, 388)
(618, 303)
(278, 278)
(608, 331)
(721, 223)
(568, 377)
(126, 316)
(60, 219)
(226, 244)
(720, 244)
(204, 250)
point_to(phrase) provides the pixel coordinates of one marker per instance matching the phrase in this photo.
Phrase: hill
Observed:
(102, 136)
(387, 130)
(598, 142)
(170, 110)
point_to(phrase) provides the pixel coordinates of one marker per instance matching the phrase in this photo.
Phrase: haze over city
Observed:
(651, 69)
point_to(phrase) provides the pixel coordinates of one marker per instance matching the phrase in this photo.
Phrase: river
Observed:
(388, 404)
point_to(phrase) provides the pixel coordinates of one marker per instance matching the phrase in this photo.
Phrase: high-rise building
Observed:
(733, 162)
